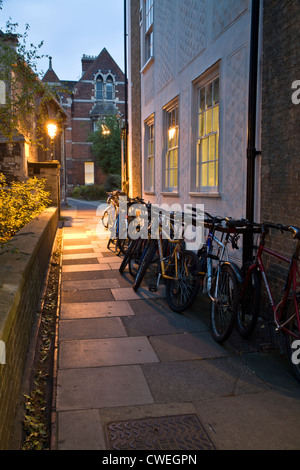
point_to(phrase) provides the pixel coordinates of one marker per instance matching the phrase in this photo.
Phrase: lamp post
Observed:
(52, 131)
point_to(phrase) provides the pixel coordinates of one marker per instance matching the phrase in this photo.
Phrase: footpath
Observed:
(133, 375)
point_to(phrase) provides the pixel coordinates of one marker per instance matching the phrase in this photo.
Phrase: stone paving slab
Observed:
(83, 389)
(110, 259)
(80, 430)
(82, 255)
(187, 381)
(91, 328)
(73, 268)
(69, 262)
(90, 284)
(91, 295)
(127, 293)
(75, 236)
(186, 346)
(106, 352)
(95, 309)
(252, 421)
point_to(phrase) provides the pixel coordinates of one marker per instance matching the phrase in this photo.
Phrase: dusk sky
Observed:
(69, 29)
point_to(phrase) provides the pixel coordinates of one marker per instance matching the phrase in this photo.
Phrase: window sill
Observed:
(170, 193)
(204, 194)
(149, 193)
(147, 64)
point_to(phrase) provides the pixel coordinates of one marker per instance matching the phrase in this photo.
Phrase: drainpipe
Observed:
(126, 189)
(251, 137)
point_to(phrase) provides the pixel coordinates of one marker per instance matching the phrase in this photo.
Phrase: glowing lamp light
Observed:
(172, 131)
(105, 130)
(52, 130)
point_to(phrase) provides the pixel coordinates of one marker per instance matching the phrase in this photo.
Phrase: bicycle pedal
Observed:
(152, 288)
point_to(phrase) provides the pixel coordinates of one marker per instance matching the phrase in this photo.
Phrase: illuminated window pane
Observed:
(171, 159)
(216, 119)
(207, 152)
(89, 173)
(204, 174)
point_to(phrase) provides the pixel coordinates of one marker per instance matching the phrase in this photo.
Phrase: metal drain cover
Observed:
(182, 432)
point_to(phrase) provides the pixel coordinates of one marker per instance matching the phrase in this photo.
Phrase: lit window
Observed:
(171, 157)
(89, 177)
(149, 167)
(207, 151)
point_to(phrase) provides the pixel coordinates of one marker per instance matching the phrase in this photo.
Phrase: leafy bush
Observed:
(19, 204)
(93, 192)
(113, 182)
(106, 145)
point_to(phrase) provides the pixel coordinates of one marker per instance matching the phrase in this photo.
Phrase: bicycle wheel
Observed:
(293, 342)
(148, 256)
(249, 305)
(182, 290)
(224, 309)
(126, 258)
(136, 256)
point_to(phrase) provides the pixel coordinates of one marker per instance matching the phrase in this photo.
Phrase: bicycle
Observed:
(220, 276)
(178, 267)
(286, 311)
(120, 241)
(113, 205)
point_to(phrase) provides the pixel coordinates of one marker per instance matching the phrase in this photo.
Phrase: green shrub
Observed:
(93, 192)
(19, 204)
(113, 182)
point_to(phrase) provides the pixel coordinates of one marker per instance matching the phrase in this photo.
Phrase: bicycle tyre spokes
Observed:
(224, 308)
(183, 288)
(249, 306)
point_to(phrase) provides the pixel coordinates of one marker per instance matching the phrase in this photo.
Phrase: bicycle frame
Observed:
(221, 259)
(291, 282)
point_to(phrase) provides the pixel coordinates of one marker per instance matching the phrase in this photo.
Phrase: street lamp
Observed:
(52, 131)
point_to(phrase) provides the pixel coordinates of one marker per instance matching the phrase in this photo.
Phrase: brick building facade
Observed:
(99, 92)
(280, 162)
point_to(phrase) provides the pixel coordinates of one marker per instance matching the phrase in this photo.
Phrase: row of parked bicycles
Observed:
(234, 290)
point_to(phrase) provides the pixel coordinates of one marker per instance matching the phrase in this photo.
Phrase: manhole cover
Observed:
(183, 432)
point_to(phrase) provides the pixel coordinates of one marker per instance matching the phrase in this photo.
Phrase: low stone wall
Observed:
(21, 279)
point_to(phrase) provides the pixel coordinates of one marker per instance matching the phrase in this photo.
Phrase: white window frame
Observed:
(148, 29)
(171, 154)
(149, 171)
(206, 167)
(146, 20)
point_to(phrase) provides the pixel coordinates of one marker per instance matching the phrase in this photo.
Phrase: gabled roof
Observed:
(50, 76)
(105, 63)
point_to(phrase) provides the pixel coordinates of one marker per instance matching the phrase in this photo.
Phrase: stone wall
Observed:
(21, 279)
(50, 171)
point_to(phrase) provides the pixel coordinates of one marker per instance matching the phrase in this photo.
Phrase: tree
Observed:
(24, 98)
(106, 145)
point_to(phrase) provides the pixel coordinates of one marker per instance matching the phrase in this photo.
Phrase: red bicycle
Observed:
(286, 311)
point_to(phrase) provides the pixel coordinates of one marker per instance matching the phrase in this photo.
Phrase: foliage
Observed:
(19, 204)
(36, 422)
(93, 192)
(106, 145)
(27, 97)
(113, 182)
